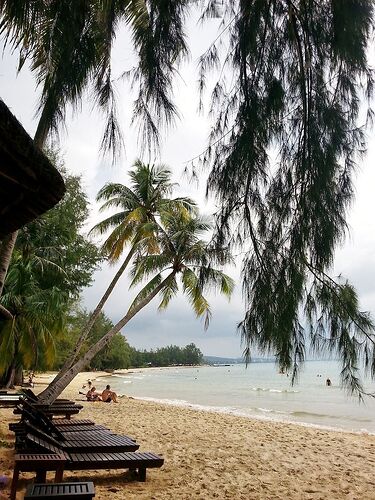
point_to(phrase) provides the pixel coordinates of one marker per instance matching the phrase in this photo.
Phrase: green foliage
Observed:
(50, 265)
(55, 239)
(69, 46)
(184, 253)
(140, 207)
(167, 356)
(115, 355)
(282, 151)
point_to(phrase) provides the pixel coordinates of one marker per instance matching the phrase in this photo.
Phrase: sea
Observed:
(256, 391)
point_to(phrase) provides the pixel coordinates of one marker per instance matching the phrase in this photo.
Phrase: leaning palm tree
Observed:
(136, 224)
(184, 258)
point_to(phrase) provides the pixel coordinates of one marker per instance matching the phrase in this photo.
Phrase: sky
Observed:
(79, 144)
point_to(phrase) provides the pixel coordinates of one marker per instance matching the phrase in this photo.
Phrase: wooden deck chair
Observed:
(137, 461)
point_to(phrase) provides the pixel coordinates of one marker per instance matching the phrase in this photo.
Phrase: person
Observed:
(89, 384)
(92, 395)
(31, 376)
(108, 395)
(328, 382)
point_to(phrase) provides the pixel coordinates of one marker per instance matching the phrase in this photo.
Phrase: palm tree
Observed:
(36, 321)
(183, 254)
(136, 224)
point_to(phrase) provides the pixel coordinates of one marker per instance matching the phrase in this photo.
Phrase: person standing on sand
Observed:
(108, 395)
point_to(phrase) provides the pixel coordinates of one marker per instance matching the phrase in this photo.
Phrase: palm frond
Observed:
(168, 292)
(147, 289)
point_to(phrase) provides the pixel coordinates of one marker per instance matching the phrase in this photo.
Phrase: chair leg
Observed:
(41, 476)
(142, 475)
(13, 489)
(59, 475)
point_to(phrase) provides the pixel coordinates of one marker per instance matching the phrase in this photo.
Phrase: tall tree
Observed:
(136, 225)
(283, 151)
(69, 46)
(51, 264)
(183, 254)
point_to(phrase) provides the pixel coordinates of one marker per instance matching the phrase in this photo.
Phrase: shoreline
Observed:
(278, 417)
(216, 455)
(97, 375)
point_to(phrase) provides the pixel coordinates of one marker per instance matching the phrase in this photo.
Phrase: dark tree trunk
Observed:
(10, 376)
(18, 375)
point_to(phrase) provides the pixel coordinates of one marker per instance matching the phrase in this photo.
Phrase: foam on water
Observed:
(259, 392)
(251, 414)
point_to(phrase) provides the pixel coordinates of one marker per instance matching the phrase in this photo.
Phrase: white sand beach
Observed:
(209, 455)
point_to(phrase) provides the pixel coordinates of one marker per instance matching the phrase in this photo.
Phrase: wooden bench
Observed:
(53, 491)
(39, 463)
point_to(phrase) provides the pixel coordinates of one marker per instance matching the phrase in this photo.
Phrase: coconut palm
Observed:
(184, 258)
(136, 225)
(29, 335)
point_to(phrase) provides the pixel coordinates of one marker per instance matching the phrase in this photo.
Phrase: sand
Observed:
(209, 455)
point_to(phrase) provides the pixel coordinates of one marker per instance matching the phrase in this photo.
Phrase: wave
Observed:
(263, 414)
(281, 391)
(128, 377)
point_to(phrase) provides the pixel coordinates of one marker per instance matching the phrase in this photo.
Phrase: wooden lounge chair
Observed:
(138, 462)
(97, 440)
(68, 422)
(83, 490)
(38, 418)
(39, 463)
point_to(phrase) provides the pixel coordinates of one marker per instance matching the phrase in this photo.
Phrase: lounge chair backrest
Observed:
(32, 429)
(41, 443)
(38, 418)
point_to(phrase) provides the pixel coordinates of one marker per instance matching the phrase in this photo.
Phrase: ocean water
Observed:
(257, 391)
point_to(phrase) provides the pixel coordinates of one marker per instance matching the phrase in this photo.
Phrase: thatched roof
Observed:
(29, 184)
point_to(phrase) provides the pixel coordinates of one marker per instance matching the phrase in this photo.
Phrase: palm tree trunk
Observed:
(6, 250)
(10, 376)
(53, 391)
(87, 328)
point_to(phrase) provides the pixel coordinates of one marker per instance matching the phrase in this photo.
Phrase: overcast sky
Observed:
(79, 144)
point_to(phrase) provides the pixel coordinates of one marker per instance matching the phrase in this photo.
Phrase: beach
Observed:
(215, 455)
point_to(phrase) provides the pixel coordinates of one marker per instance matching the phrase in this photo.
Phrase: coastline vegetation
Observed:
(161, 238)
(118, 354)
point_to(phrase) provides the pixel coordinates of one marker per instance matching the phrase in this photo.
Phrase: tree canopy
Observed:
(51, 264)
(290, 107)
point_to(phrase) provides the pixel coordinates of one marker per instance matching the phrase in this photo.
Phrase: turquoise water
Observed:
(258, 391)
